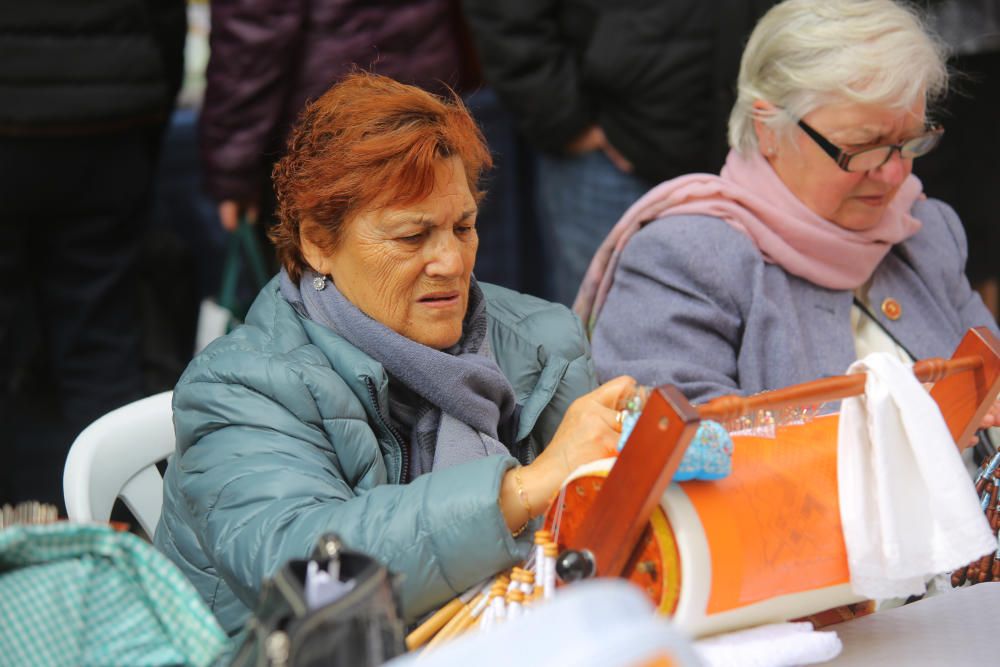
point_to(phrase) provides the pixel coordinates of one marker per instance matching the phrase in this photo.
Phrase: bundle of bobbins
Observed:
(508, 596)
(28, 513)
(986, 568)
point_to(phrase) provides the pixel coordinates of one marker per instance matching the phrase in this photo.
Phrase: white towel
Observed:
(908, 508)
(776, 645)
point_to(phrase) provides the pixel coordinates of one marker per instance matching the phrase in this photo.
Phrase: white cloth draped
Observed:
(908, 508)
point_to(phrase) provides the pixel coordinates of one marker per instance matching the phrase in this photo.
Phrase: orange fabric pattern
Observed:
(773, 526)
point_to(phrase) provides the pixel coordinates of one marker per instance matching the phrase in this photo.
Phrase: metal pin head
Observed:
(574, 565)
(328, 546)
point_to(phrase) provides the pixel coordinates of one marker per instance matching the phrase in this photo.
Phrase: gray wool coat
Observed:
(694, 305)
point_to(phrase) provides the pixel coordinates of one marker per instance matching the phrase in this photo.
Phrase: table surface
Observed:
(956, 629)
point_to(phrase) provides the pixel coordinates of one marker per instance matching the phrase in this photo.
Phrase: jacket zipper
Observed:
(404, 473)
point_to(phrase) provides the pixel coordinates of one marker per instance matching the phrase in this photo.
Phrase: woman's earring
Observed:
(319, 283)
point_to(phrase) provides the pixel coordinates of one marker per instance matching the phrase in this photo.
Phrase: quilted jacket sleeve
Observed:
(542, 349)
(578, 379)
(272, 452)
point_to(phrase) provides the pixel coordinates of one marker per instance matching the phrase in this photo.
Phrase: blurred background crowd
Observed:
(134, 134)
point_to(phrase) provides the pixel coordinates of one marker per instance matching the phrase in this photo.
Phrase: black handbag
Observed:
(363, 627)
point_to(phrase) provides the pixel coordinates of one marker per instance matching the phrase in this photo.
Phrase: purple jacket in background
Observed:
(269, 57)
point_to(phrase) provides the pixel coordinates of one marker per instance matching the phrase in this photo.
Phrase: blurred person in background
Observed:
(965, 171)
(85, 92)
(267, 59)
(616, 96)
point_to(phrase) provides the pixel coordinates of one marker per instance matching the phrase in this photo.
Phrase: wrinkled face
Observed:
(854, 201)
(409, 267)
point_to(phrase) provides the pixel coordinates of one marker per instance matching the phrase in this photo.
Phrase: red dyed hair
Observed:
(368, 142)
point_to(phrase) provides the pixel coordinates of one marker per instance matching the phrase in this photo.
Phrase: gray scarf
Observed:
(468, 408)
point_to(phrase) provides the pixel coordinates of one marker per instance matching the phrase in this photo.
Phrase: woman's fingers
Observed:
(611, 392)
(229, 214)
(992, 417)
(617, 159)
(590, 428)
(611, 421)
(231, 210)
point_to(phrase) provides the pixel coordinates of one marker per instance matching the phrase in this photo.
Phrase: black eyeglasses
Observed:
(874, 157)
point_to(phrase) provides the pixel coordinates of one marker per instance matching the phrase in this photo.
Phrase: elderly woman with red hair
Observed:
(377, 390)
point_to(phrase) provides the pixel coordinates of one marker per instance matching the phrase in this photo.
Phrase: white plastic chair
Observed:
(115, 457)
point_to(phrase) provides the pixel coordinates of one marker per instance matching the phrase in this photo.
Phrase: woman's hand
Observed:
(589, 431)
(991, 419)
(230, 212)
(594, 139)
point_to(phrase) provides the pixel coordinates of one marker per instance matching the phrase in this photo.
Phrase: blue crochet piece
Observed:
(709, 456)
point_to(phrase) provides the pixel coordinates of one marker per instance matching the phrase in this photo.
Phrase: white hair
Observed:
(804, 54)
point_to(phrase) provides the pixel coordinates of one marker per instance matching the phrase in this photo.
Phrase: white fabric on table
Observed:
(908, 508)
(775, 645)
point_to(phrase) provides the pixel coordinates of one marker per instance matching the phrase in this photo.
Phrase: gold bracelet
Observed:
(521, 494)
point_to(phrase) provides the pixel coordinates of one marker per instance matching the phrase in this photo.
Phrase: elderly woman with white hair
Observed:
(815, 244)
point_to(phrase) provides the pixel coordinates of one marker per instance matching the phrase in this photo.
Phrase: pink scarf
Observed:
(750, 197)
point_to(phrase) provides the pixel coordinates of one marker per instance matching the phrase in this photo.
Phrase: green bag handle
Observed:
(242, 242)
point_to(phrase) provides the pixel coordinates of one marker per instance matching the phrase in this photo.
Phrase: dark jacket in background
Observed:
(270, 57)
(72, 67)
(657, 76)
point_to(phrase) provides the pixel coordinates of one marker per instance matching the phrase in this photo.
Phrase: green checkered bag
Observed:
(74, 594)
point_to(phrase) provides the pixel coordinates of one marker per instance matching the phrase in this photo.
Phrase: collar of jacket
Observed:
(359, 371)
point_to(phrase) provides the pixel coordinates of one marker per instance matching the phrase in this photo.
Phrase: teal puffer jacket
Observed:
(282, 434)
